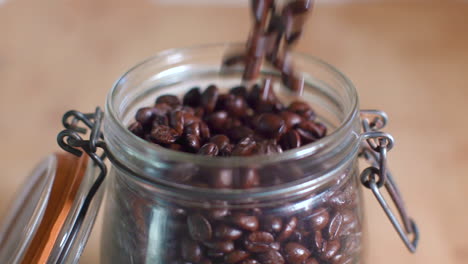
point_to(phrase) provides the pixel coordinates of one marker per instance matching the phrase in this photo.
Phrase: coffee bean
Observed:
(192, 142)
(192, 97)
(296, 253)
(217, 121)
(236, 105)
(271, 257)
(248, 178)
(199, 227)
(209, 149)
(159, 120)
(257, 242)
(303, 109)
(268, 147)
(205, 132)
(288, 229)
(270, 125)
(330, 248)
(169, 99)
(240, 132)
(175, 146)
(225, 246)
(272, 224)
(290, 140)
(239, 91)
(144, 115)
(245, 147)
(191, 251)
(225, 232)
(311, 261)
(209, 98)
(318, 240)
(236, 256)
(250, 261)
(221, 141)
(320, 218)
(176, 121)
(220, 178)
(193, 129)
(291, 119)
(335, 226)
(164, 135)
(246, 222)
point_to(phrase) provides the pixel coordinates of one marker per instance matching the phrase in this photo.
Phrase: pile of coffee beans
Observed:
(241, 122)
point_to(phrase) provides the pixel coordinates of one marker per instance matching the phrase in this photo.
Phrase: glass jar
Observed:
(302, 204)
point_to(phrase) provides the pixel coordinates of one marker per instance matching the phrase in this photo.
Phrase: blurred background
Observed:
(409, 58)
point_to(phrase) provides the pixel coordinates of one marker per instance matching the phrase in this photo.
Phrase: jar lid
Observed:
(37, 226)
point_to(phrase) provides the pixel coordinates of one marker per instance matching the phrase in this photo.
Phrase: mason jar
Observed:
(301, 206)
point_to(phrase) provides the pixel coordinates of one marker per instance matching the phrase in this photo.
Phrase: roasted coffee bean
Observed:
(164, 135)
(268, 147)
(240, 132)
(330, 248)
(246, 222)
(217, 121)
(259, 241)
(245, 147)
(311, 131)
(303, 109)
(311, 261)
(235, 105)
(169, 99)
(205, 132)
(275, 246)
(224, 246)
(144, 115)
(270, 125)
(190, 118)
(221, 141)
(225, 232)
(209, 98)
(191, 251)
(192, 97)
(291, 119)
(226, 151)
(137, 129)
(218, 213)
(236, 256)
(220, 178)
(159, 120)
(176, 147)
(161, 109)
(213, 253)
(272, 224)
(254, 96)
(193, 129)
(176, 121)
(296, 253)
(320, 218)
(318, 240)
(209, 149)
(199, 227)
(271, 257)
(248, 178)
(335, 226)
(192, 142)
(290, 140)
(288, 229)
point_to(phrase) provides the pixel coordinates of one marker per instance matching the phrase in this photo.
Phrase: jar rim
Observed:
(177, 156)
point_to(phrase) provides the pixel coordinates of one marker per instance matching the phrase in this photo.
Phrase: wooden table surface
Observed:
(410, 60)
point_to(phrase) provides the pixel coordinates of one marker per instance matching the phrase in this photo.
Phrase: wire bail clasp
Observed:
(374, 149)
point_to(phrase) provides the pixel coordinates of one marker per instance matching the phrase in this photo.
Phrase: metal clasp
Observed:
(374, 149)
(71, 141)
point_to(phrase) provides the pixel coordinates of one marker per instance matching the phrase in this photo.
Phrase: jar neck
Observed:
(171, 71)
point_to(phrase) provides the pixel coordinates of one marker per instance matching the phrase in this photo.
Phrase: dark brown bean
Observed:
(192, 142)
(245, 147)
(239, 132)
(296, 253)
(257, 242)
(220, 178)
(311, 261)
(268, 147)
(250, 261)
(144, 115)
(303, 109)
(193, 129)
(272, 224)
(239, 91)
(137, 129)
(164, 135)
(209, 149)
(176, 121)
(288, 229)
(290, 140)
(191, 251)
(221, 141)
(225, 232)
(320, 218)
(169, 99)
(318, 240)
(248, 178)
(161, 109)
(246, 222)
(209, 98)
(330, 248)
(336, 224)
(205, 132)
(271, 257)
(192, 97)
(236, 256)
(159, 120)
(291, 119)
(199, 227)
(270, 125)
(225, 246)
(217, 121)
